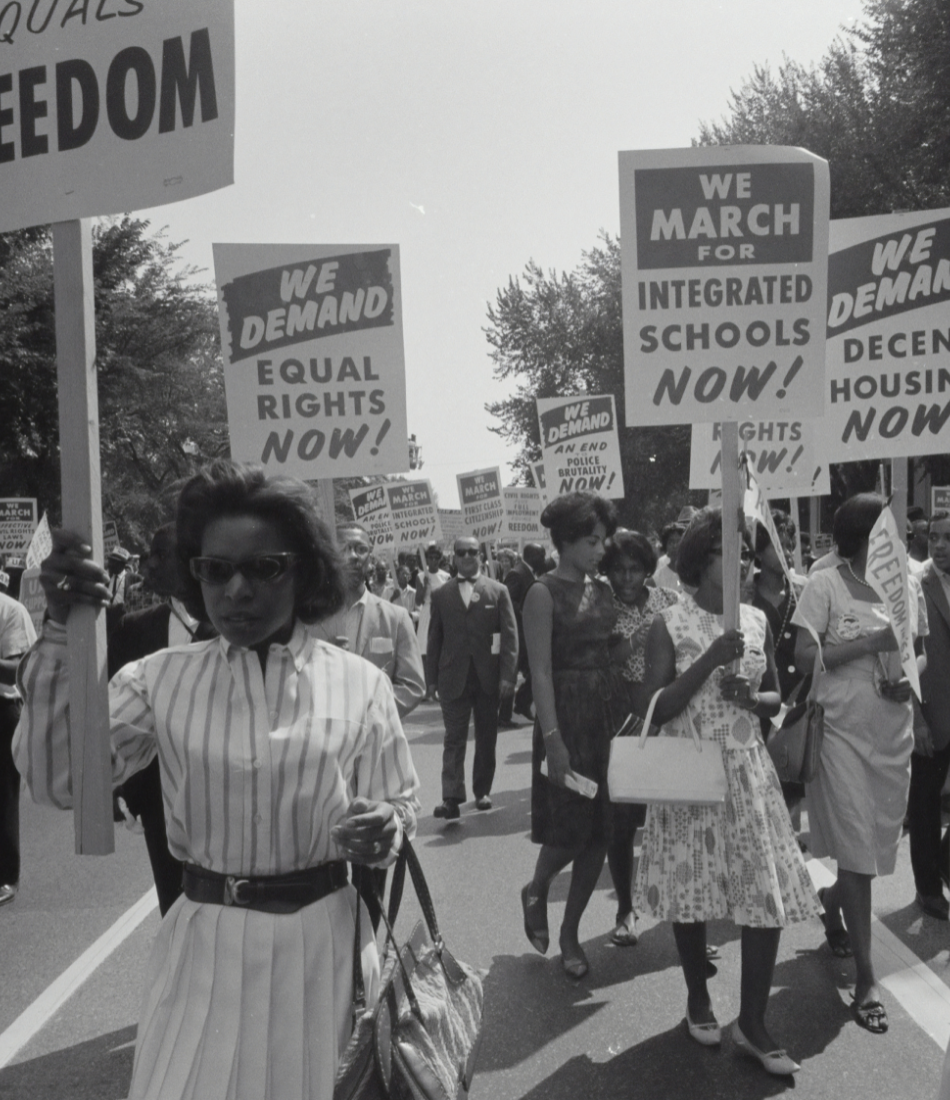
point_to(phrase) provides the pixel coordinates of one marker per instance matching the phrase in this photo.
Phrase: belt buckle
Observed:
(232, 891)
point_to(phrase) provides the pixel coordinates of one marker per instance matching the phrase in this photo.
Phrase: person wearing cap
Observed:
(117, 566)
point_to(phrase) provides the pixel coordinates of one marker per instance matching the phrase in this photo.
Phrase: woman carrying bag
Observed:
(741, 860)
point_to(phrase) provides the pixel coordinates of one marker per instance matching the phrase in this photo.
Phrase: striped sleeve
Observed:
(41, 748)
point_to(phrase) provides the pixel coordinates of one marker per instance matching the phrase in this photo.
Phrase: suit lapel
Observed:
(931, 581)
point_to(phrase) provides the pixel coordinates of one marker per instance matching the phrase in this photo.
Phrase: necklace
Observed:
(860, 580)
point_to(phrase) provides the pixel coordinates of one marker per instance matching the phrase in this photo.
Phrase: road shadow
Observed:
(925, 936)
(98, 1069)
(510, 813)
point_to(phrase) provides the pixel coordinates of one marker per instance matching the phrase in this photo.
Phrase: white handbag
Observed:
(666, 768)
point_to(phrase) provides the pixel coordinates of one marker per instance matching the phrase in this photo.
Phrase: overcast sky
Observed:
(477, 135)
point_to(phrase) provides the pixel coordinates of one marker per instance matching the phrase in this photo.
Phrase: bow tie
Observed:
(467, 580)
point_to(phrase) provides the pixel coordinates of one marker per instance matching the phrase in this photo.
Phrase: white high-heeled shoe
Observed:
(775, 1061)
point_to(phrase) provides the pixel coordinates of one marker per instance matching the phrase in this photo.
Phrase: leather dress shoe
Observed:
(447, 809)
(934, 905)
(7, 893)
(483, 802)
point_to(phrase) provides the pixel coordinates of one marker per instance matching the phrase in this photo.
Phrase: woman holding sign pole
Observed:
(741, 860)
(857, 801)
(282, 757)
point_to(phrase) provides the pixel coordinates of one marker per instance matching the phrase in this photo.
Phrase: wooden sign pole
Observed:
(797, 552)
(731, 519)
(82, 512)
(899, 489)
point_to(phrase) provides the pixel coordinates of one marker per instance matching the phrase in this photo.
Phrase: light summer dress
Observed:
(739, 860)
(857, 802)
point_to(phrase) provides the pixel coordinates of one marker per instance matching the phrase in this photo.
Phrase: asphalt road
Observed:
(617, 1033)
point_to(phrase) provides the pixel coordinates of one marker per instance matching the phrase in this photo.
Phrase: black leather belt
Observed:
(270, 893)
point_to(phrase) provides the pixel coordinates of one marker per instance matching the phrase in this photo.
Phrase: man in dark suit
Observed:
(929, 857)
(135, 635)
(473, 643)
(519, 578)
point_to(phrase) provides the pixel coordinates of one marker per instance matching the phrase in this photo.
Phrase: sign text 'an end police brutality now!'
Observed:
(724, 254)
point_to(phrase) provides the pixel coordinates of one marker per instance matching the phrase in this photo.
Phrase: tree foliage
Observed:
(562, 334)
(877, 107)
(160, 379)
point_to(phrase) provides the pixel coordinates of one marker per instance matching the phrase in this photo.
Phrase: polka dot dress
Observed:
(739, 860)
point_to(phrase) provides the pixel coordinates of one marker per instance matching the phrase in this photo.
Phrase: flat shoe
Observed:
(776, 1062)
(625, 934)
(536, 931)
(838, 939)
(707, 1035)
(872, 1016)
(575, 965)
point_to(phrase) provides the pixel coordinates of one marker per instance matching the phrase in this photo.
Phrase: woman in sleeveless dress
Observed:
(580, 700)
(858, 799)
(740, 860)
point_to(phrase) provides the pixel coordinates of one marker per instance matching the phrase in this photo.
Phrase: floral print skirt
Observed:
(740, 860)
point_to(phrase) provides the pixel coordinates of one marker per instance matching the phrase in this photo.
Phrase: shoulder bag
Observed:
(668, 768)
(420, 1040)
(795, 745)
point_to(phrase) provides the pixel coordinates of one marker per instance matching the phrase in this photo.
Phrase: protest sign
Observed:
(314, 371)
(371, 508)
(33, 597)
(415, 519)
(523, 509)
(452, 526)
(41, 545)
(888, 337)
(540, 479)
(115, 106)
(724, 259)
(580, 445)
(110, 536)
(17, 524)
(784, 455)
(886, 572)
(940, 498)
(483, 508)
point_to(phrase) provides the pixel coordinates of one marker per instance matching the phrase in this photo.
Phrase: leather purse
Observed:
(676, 766)
(420, 1040)
(795, 745)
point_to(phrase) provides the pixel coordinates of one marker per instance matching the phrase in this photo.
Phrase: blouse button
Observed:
(788, 634)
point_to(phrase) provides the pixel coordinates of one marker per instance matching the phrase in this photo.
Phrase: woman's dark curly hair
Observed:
(704, 533)
(575, 515)
(853, 522)
(226, 488)
(629, 544)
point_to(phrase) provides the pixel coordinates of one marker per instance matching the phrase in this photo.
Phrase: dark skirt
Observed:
(591, 705)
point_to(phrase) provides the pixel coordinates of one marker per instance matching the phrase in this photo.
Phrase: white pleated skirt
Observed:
(243, 1005)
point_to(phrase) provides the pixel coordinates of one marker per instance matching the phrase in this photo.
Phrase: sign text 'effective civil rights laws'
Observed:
(112, 105)
(724, 254)
(314, 370)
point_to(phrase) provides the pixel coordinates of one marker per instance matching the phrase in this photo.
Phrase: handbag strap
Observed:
(688, 719)
(648, 720)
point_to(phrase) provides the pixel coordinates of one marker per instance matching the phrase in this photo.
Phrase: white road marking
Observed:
(922, 995)
(52, 999)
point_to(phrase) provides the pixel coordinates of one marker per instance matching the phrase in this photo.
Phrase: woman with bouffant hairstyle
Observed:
(281, 756)
(581, 700)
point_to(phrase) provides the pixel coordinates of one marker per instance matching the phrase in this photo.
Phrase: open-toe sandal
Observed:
(838, 939)
(535, 911)
(625, 934)
(872, 1016)
(574, 963)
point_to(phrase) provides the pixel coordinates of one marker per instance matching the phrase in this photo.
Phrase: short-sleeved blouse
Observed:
(634, 625)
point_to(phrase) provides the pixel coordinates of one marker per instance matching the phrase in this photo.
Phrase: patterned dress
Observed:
(591, 702)
(740, 860)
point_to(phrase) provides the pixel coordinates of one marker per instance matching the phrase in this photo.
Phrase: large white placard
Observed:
(523, 508)
(724, 257)
(580, 445)
(415, 518)
(314, 371)
(111, 106)
(371, 509)
(888, 340)
(784, 455)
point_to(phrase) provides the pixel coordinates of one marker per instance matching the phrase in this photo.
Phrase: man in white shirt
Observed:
(16, 637)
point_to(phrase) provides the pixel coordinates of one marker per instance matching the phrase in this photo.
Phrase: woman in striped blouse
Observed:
(281, 757)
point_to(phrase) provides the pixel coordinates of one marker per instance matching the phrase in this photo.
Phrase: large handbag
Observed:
(420, 1040)
(667, 768)
(795, 745)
